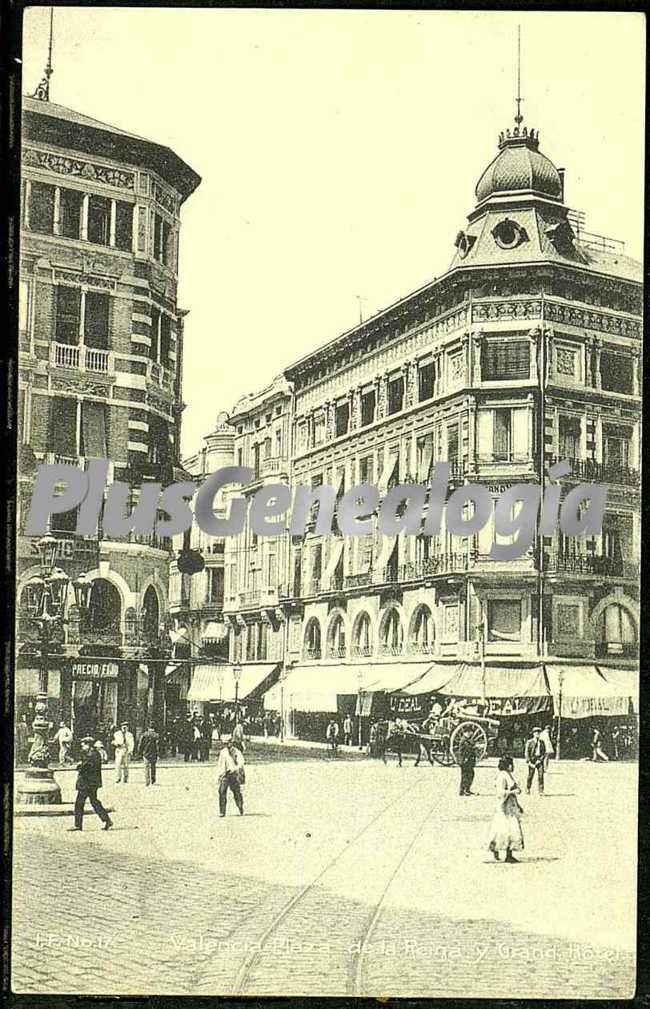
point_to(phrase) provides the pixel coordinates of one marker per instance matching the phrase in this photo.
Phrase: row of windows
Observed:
(55, 210)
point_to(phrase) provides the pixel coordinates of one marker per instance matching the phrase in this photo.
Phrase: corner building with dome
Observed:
(525, 352)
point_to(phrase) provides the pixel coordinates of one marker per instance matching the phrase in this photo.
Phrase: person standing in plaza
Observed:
(186, 736)
(467, 763)
(148, 750)
(89, 781)
(547, 739)
(332, 736)
(535, 754)
(505, 829)
(124, 745)
(230, 776)
(64, 739)
(238, 737)
(347, 730)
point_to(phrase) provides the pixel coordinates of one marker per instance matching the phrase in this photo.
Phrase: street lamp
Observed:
(360, 679)
(51, 586)
(560, 679)
(236, 675)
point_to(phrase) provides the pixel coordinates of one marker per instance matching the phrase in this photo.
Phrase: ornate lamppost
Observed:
(39, 786)
(236, 675)
(559, 715)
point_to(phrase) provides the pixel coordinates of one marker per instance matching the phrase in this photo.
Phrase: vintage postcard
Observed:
(328, 531)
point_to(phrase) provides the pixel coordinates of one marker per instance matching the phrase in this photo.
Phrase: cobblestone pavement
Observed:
(406, 901)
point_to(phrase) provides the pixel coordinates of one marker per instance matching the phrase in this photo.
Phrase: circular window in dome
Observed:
(508, 234)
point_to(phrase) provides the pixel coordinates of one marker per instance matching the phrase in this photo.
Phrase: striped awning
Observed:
(216, 682)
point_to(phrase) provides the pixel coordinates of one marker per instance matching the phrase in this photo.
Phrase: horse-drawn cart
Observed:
(450, 733)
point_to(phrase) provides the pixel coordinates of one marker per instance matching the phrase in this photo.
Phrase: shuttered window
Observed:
(504, 361)
(68, 311)
(96, 320)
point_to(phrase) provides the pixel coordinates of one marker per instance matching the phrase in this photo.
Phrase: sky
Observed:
(339, 151)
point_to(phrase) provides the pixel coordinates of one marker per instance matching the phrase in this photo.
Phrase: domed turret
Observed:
(519, 167)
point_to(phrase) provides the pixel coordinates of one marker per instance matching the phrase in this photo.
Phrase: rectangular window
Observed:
(41, 208)
(424, 457)
(502, 435)
(316, 562)
(319, 429)
(505, 359)
(278, 442)
(159, 449)
(616, 447)
(366, 469)
(161, 240)
(616, 373)
(273, 571)
(70, 213)
(68, 315)
(342, 419)
(93, 430)
(96, 312)
(62, 428)
(367, 407)
(215, 586)
(425, 381)
(99, 218)
(154, 349)
(268, 447)
(452, 443)
(504, 620)
(124, 226)
(569, 437)
(395, 395)
(165, 339)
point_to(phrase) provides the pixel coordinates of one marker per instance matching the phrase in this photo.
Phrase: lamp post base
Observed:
(38, 788)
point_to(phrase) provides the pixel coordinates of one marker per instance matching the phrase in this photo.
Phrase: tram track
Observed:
(318, 914)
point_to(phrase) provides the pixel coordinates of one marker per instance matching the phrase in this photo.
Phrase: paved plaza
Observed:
(343, 877)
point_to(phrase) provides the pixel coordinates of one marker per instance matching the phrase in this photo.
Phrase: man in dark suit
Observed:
(467, 763)
(535, 753)
(89, 780)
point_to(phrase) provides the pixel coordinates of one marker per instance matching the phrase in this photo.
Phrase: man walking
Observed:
(467, 763)
(535, 754)
(89, 780)
(347, 731)
(64, 738)
(124, 744)
(597, 752)
(148, 750)
(230, 775)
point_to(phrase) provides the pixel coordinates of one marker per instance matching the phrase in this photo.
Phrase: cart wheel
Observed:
(441, 752)
(471, 732)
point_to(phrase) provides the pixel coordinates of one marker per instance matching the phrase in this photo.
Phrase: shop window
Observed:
(41, 208)
(426, 376)
(96, 314)
(124, 226)
(99, 220)
(616, 373)
(504, 620)
(367, 407)
(342, 419)
(71, 201)
(68, 315)
(395, 395)
(505, 359)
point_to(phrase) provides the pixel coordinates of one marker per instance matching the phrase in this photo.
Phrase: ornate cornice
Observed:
(89, 170)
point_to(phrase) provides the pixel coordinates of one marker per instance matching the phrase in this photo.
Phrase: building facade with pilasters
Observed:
(526, 352)
(101, 352)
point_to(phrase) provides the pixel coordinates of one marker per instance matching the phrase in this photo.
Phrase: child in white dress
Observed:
(505, 829)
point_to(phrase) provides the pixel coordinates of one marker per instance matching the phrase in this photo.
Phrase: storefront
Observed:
(94, 698)
(222, 689)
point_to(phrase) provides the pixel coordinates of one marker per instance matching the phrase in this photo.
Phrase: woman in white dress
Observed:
(505, 829)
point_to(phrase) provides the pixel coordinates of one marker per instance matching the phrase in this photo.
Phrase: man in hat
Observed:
(148, 750)
(467, 763)
(89, 780)
(230, 775)
(535, 754)
(64, 738)
(124, 744)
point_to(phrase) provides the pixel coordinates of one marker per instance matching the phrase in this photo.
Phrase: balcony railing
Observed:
(361, 651)
(591, 471)
(274, 464)
(336, 651)
(80, 358)
(436, 565)
(503, 457)
(358, 580)
(584, 564)
(313, 653)
(390, 649)
(421, 647)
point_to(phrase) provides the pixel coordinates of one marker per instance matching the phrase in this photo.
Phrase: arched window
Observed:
(362, 636)
(391, 634)
(105, 607)
(422, 631)
(312, 639)
(151, 613)
(336, 638)
(617, 632)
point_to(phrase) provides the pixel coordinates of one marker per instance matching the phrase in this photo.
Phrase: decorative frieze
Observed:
(89, 279)
(89, 170)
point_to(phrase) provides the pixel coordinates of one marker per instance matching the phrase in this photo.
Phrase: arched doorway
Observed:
(151, 613)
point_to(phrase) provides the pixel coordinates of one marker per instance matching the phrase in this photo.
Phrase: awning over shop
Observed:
(392, 676)
(585, 692)
(214, 631)
(174, 671)
(433, 680)
(625, 683)
(216, 682)
(500, 681)
(314, 688)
